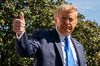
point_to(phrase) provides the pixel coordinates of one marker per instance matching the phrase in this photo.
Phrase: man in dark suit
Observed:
(53, 47)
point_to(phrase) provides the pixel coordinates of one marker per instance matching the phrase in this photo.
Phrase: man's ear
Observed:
(76, 20)
(55, 19)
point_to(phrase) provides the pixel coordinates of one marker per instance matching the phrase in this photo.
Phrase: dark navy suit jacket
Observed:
(45, 46)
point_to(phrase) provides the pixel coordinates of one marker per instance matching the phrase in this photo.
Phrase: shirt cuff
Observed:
(19, 36)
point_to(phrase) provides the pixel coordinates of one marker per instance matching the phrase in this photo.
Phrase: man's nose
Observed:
(67, 22)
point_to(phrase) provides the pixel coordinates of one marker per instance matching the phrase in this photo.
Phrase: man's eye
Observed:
(64, 18)
(70, 19)
(67, 18)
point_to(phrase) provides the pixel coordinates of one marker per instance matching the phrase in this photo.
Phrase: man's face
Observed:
(66, 22)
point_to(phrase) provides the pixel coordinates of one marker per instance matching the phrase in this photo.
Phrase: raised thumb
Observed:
(21, 15)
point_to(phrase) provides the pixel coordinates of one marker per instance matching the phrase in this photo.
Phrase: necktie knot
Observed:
(66, 41)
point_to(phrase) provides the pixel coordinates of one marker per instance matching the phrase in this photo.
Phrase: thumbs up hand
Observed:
(19, 24)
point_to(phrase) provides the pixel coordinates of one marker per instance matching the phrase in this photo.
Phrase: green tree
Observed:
(38, 14)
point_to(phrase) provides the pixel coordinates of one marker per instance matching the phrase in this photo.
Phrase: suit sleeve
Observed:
(26, 47)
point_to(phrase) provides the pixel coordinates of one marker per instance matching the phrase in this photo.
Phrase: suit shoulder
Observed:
(41, 32)
(77, 42)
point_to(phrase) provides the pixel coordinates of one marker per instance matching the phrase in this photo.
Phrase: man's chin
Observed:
(68, 32)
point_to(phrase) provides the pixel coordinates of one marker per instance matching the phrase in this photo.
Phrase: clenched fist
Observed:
(19, 24)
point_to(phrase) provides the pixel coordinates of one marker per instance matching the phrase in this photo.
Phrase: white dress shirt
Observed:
(63, 46)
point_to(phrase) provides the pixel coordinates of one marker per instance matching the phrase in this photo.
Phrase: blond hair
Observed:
(65, 7)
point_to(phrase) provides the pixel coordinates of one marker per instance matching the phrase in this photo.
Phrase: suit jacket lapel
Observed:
(56, 41)
(58, 45)
(79, 54)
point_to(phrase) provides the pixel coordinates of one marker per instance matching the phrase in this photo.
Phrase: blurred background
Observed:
(39, 14)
